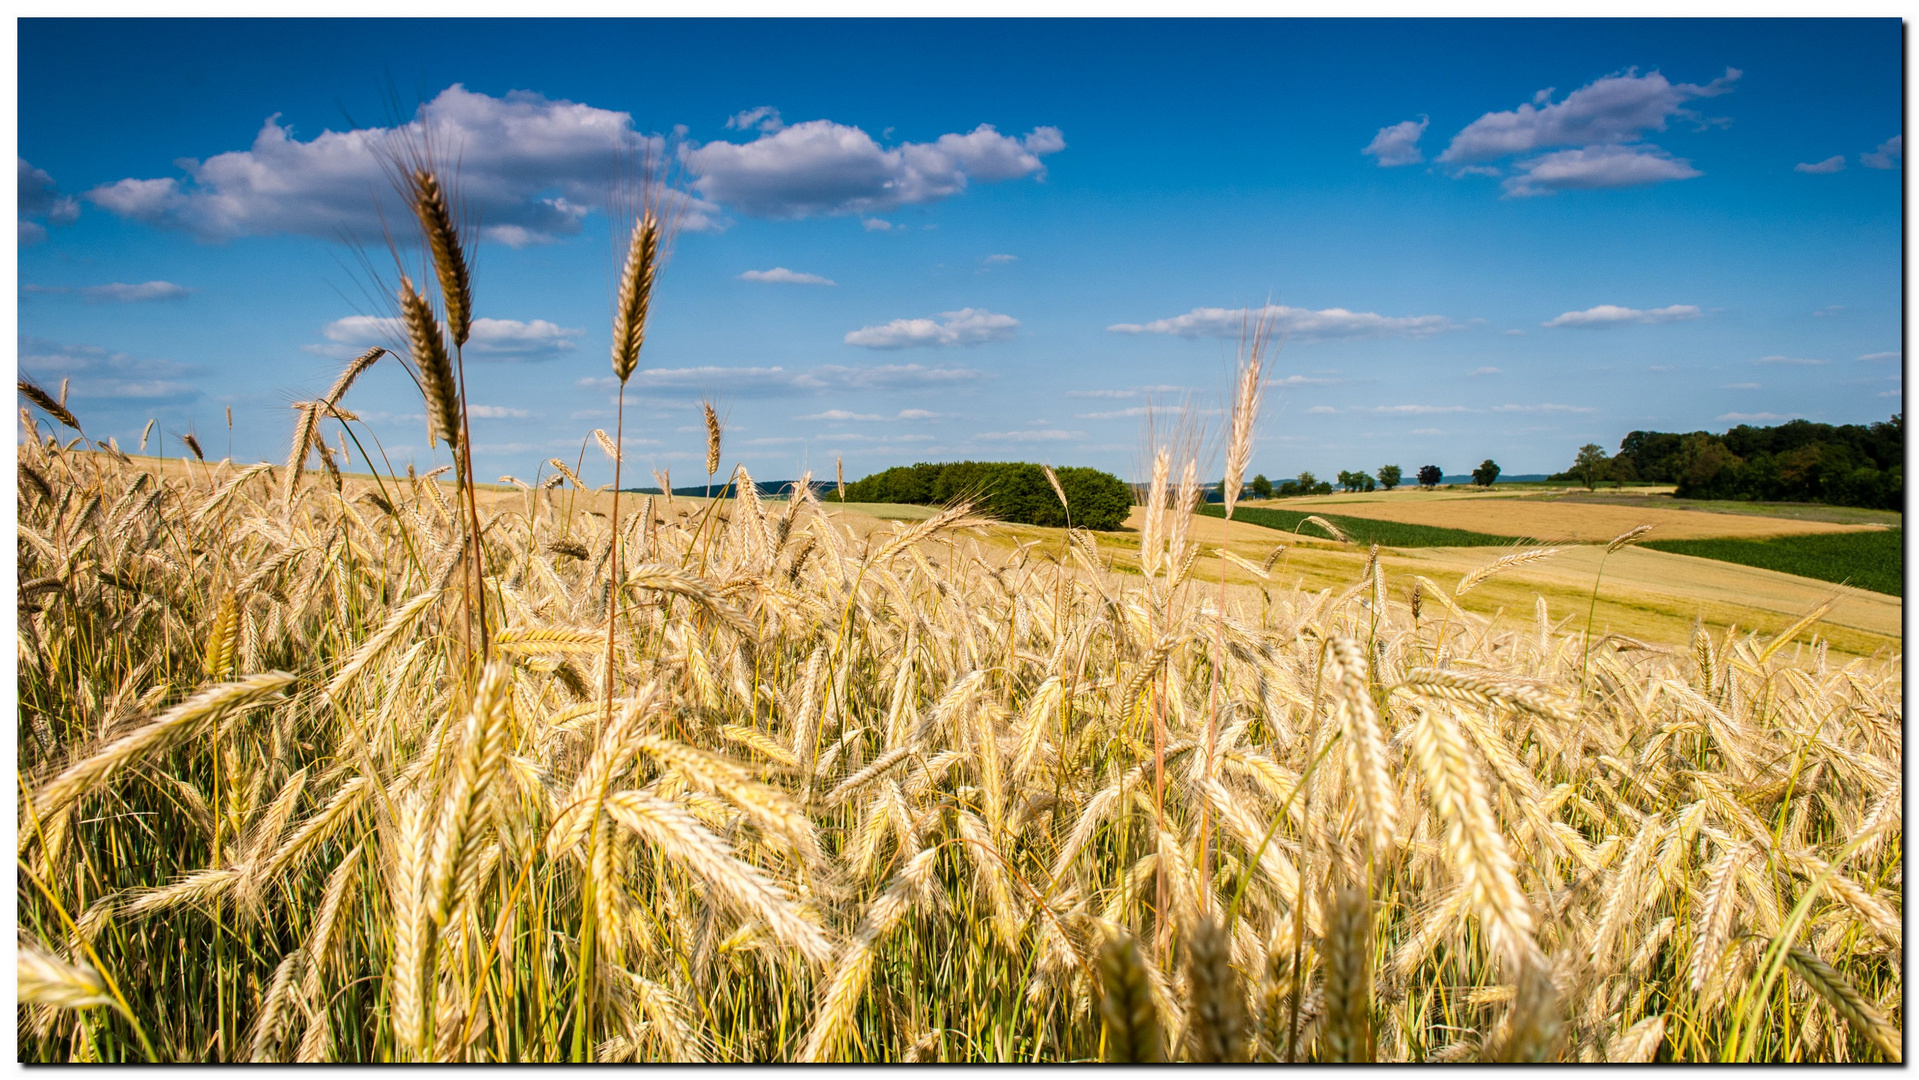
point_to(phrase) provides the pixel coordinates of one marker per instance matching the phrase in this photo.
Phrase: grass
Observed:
(1867, 560)
(1362, 530)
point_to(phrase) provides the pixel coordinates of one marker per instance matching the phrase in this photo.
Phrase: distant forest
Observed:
(1798, 461)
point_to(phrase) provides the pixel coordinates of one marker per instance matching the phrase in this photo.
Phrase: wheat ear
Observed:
(1346, 1029)
(428, 345)
(449, 259)
(1217, 1025)
(1126, 1004)
(635, 295)
(46, 402)
(1846, 1000)
(1500, 566)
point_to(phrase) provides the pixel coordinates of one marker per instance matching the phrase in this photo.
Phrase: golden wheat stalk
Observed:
(1500, 566)
(449, 259)
(635, 295)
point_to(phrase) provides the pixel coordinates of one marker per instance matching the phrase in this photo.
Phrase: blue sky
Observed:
(935, 239)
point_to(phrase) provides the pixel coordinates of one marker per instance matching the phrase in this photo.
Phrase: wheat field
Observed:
(312, 771)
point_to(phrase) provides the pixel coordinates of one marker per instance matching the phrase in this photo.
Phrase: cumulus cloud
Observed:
(780, 275)
(1890, 155)
(530, 169)
(885, 377)
(967, 326)
(920, 414)
(1002, 258)
(839, 414)
(1594, 167)
(40, 203)
(1040, 435)
(820, 167)
(1398, 144)
(1615, 109)
(103, 374)
(765, 118)
(874, 224)
(499, 412)
(1295, 324)
(1796, 361)
(119, 293)
(1831, 165)
(1606, 315)
(489, 339)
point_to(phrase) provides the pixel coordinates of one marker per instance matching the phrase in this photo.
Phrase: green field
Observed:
(1867, 560)
(1792, 511)
(1362, 530)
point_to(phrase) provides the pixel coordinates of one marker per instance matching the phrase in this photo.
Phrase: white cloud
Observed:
(1798, 361)
(1890, 155)
(1410, 410)
(531, 168)
(498, 412)
(874, 224)
(1613, 315)
(1740, 386)
(1322, 409)
(1144, 410)
(119, 293)
(104, 375)
(839, 414)
(822, 167)
(1831, 165)
(40, 199)
(1543, 407)
(780, 275)
(1042, 435)
(1615, 109)
(1399, 143)
(1295, 324)
(885, 377)
(1887, 393)
(1137, 391)
(777, 381)
(1484, 371)
(489, 339)
(1744, 417)
(765, 118)
(1304, 380)
(1882, 356)
(1594, 167)
(967, 326)
(920, 414)
(1002, 258)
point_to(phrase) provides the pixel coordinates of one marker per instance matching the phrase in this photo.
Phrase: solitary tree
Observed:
(1487, 473)
(1261, 487)
(1389, 476)
(1429, 476)
(1308, 482)
(1590, 465)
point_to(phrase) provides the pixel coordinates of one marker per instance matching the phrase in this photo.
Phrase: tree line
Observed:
(1798, 461)
(1007, 490)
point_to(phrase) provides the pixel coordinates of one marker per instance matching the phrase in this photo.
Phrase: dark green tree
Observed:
(1430, 476)
(1591, 465)
(1261, 487)
(1487, 473)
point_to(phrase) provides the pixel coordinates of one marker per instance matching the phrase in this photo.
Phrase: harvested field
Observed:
(1558, 520)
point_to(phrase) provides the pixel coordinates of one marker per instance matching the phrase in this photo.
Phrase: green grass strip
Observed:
(1363, 530)
(1873, 559)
